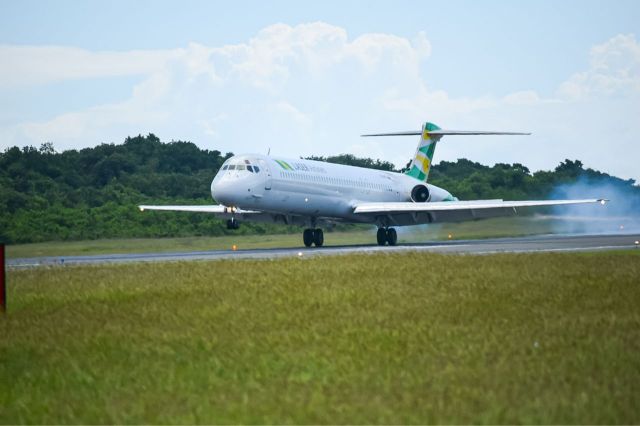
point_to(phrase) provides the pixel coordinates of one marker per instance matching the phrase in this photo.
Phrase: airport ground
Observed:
(490, 228)
(368, 338)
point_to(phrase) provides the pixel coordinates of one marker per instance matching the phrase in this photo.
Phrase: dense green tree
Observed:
(93, 192)
(352, 160)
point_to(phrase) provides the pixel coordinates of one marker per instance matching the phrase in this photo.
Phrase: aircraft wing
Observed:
(216, 209)
(408, 213)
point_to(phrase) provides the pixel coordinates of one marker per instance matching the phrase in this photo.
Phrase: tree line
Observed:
(93, 193)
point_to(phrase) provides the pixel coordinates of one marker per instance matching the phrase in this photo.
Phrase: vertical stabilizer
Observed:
(421, 163)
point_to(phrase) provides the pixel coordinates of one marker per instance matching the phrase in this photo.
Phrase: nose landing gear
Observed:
(387, 235)
(313, 236)
(233, 224)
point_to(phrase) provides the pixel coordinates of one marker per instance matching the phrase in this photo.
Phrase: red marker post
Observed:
(3, 287)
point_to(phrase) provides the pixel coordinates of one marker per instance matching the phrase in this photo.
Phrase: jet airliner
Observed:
(314, 194)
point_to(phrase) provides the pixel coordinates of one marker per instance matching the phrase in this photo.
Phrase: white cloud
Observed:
(293, 113)
(283, 70)
(614, 71)
(525, 97)
(590, 119)
(310, 89)
(34, 65)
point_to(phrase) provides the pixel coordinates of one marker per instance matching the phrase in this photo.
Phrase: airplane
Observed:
(262, 188)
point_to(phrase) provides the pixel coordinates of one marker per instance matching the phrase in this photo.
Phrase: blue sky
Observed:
(307, 78)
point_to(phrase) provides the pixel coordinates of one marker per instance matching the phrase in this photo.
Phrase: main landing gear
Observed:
(387, 235)
(233, 224)
(313, 236)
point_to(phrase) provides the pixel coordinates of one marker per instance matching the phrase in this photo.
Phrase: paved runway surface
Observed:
(498, 245)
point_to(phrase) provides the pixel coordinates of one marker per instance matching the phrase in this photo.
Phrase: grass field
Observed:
(500, 227)
(385, 338)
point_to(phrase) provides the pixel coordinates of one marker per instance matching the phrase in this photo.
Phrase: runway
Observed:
(544, 243)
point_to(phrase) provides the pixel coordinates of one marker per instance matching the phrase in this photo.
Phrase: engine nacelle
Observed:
(420, 194)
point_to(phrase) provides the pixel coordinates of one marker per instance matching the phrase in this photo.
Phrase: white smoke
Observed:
(620, 215)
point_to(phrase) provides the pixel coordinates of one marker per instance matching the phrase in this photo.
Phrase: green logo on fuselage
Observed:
(283, 164)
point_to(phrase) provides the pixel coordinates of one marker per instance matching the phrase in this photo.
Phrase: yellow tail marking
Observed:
(423, 161)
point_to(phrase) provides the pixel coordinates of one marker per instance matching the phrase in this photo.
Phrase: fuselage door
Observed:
(267, 172)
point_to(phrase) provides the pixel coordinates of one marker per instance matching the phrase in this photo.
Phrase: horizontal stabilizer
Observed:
(445, 132)
(408, 133)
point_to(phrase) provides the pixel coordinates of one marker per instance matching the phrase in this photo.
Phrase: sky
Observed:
(303, 78)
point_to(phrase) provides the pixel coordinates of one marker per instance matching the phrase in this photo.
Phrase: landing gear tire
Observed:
(392, 237)
(313, 236)
(308, 237)
(233, 224)
(385, 236)
(318, 237)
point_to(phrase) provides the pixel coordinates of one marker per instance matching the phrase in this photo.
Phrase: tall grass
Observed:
(385, 338)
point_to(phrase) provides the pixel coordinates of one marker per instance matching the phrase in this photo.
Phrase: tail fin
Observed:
(429, 137)
(421, 163)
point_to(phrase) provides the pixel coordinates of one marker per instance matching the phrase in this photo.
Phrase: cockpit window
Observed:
(240, 166)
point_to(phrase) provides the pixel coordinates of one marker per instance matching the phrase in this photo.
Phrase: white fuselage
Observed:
(315, 194)
(287, 189)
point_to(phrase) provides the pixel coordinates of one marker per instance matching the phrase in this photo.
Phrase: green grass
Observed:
(385, 338)
(501, 227)
(143, 245)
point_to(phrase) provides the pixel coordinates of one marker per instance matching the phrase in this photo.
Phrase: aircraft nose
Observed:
(222, 192)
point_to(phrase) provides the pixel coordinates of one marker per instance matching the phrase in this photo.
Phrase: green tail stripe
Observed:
(431, 150)
(426, 147)
(416, 173)
(431, 126)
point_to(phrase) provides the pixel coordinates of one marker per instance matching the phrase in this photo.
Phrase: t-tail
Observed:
(429, 137)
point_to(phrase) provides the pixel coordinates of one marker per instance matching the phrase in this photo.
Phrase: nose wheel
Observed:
(313, 236)
(387, 235)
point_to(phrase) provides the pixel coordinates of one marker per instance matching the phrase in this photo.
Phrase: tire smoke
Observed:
(620, 215)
